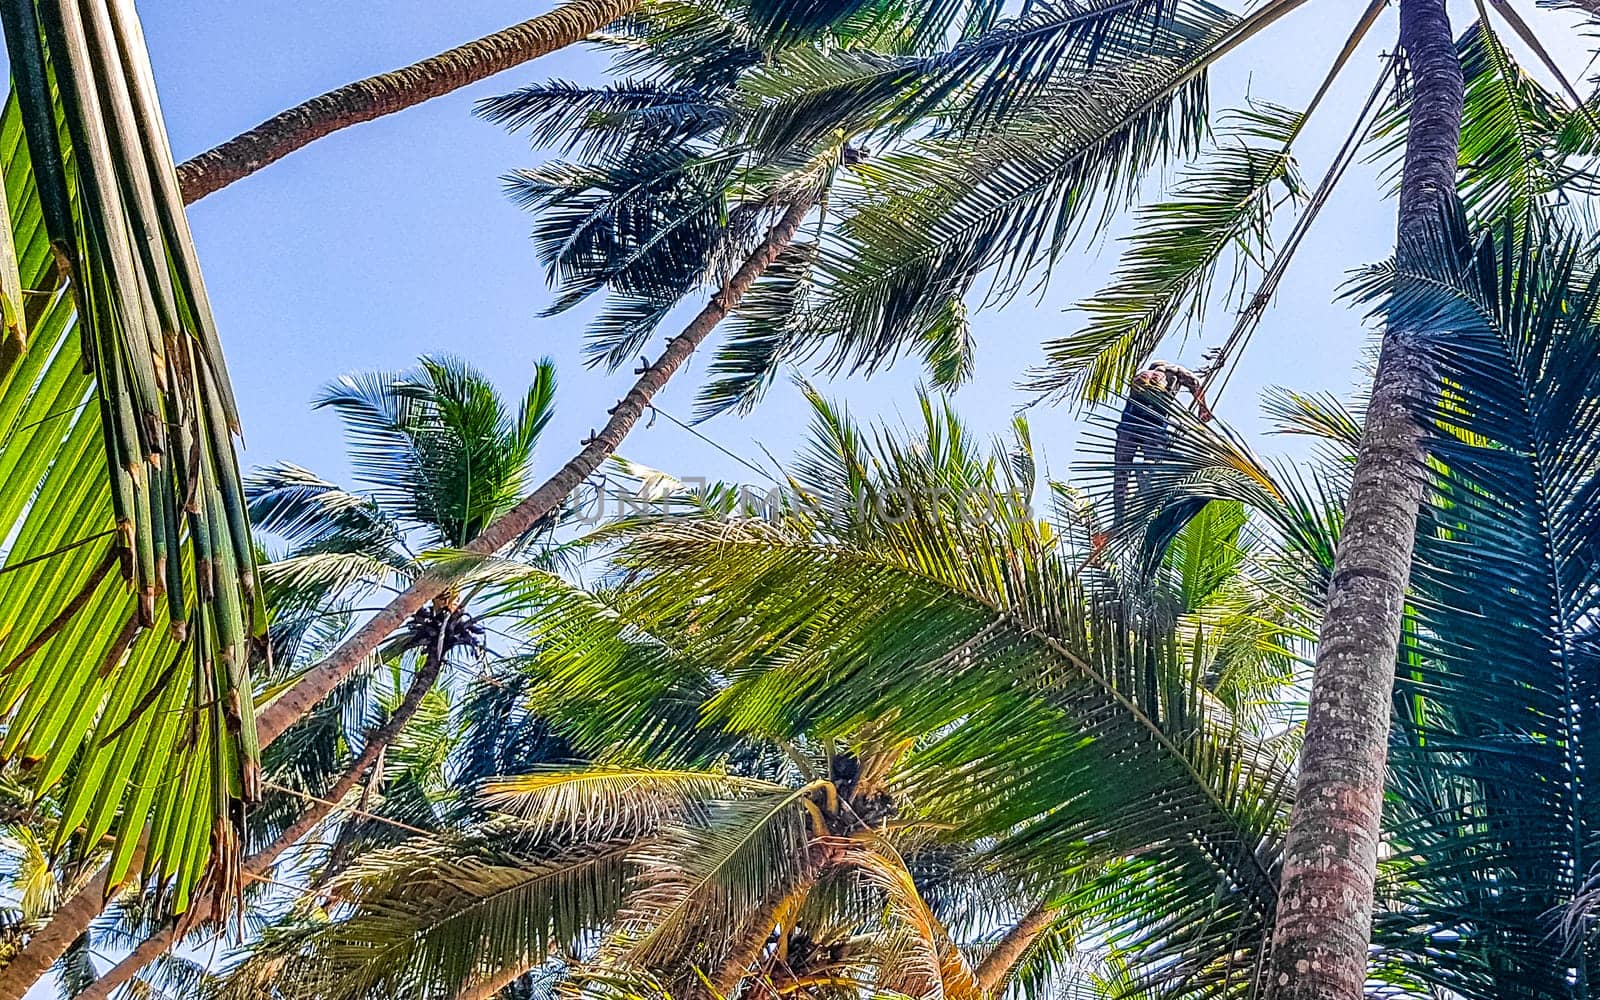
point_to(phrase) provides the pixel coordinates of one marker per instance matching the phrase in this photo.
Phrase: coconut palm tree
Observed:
(910, 744)
(442, 455)
(570, 22)
(1485, 886)
(996, 193)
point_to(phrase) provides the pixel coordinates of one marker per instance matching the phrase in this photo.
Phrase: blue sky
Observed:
(394, 238)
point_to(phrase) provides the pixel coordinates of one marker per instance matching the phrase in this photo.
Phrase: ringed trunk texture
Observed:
(1324, 913)
(258, 864)
(386, 93)
(995, 970)
(277, 716)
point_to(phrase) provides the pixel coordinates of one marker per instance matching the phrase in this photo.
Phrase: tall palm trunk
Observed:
(386, 93)
(256, 865)
(75, 917)
(1324, 912)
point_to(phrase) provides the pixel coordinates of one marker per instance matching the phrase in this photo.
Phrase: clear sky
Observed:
(394, 238)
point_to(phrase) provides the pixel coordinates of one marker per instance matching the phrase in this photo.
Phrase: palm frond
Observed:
(94, 201)
(1222, 207)
(430, 919)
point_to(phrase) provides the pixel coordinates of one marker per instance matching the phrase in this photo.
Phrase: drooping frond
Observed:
(807, 93)
(932, 218)
(430, 919)
(703, 878)
(94, 204)
(1223, 207)
(930, 602)
(612, 801)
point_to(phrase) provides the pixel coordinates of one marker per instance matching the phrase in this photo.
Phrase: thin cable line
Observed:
(352, 810)
(753, 467)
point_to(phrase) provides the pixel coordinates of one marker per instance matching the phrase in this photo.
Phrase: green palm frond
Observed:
(93, 202)
(1512, 157)
(436, 448)
(310, 512)
(606, 122)
(1207, 462)
(82, 679)
(1222, 207)
(702, 878)
(1491, 824)
(790, 21)
(431, 918)
(934, 217)
(1318, 415)
(614, 800)
(807, 93)
(937, 619)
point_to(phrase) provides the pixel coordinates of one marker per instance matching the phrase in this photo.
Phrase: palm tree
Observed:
(120, 757)
(1485, 886)
(442, 456)
(1330, 861)
(927, 708)
(997, 192)
(571, 22)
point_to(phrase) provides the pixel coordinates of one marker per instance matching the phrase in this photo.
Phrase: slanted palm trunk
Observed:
(387, 93)
(74, 918)
(258, 864)
(1324, 913)
(747, 949)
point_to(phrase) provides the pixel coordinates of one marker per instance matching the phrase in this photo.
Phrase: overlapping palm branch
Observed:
(925, 601)
(916, 702)
(130, 467)
(1485, 889)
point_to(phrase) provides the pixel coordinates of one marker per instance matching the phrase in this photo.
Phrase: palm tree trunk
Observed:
(387, 93)
(1324, 912)
(74, 918)
(256, 865)
(70, 920)
(321, 679)
(483, 989)
(998, 965)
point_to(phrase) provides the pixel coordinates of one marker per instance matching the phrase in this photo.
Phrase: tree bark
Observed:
(70, 920)
(1324, 913)
(74, 918)
(386, 93)
(998, 965)
(258, 864)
